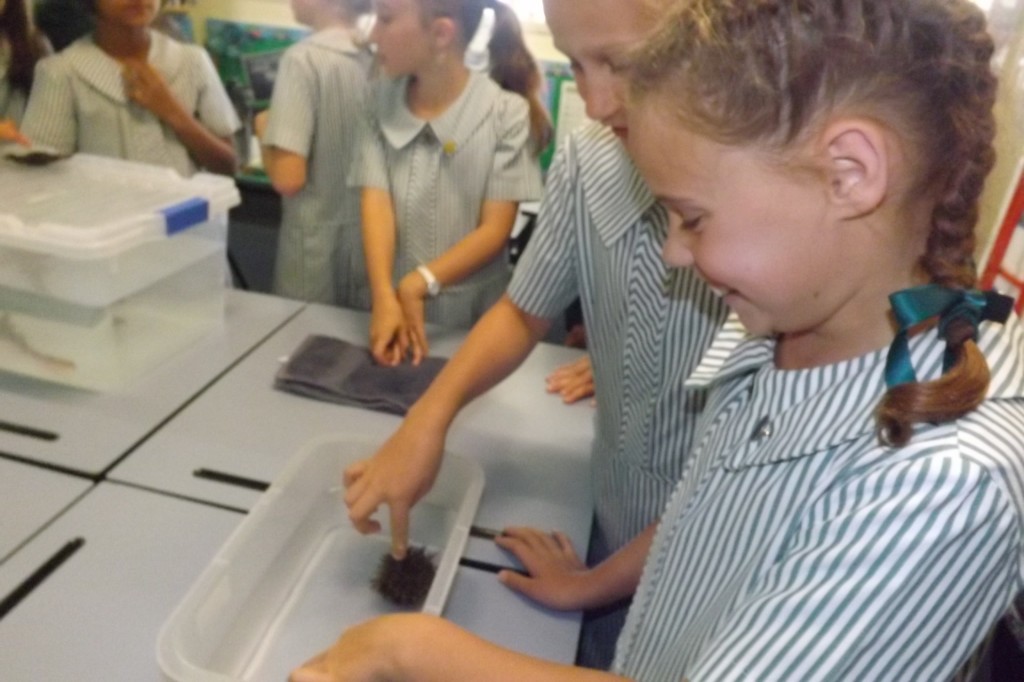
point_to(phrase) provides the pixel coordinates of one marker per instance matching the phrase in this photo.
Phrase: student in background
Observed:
(448, 156)
(309, 141)
(599, 237)
(21, 46)
(130, 92)
(854, 504)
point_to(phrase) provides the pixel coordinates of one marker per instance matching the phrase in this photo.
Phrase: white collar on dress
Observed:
(452, 128)
(103, 72)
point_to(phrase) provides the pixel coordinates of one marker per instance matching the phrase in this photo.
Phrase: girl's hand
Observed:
(574, 381)
(558, 578)
(412, 291)
(146, 87)
(10, 133)
(389, 338)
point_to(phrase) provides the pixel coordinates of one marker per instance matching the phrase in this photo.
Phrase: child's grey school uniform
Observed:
(798, 548)
(315, 112)
(599, 236)
(79, 104)
(12, 100)
(439, 174)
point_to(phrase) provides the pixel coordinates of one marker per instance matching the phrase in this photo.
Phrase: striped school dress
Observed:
(315, 111)
(440, 172)
(599, 236)
(79, 104)
(798, 548)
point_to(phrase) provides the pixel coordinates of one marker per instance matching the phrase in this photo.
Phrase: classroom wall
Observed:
(278, 12)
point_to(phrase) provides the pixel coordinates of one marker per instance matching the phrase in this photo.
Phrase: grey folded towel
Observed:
(326, 368)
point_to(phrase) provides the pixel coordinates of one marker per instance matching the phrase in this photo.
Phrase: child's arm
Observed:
(418, 647)
(560, 580)
(146, 87)
(469, 254)
(389, 340)
(286, 169)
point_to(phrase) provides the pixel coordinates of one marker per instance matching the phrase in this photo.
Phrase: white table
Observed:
(29, 498)
(97, 616)
(92, 430)
(534, 449)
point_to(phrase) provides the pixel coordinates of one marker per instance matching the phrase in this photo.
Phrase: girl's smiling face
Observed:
(761, 235)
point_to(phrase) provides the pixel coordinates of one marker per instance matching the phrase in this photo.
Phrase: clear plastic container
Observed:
(107, 267)
(295, 574)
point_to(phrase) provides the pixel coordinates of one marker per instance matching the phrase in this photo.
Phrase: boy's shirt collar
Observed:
(627, 199)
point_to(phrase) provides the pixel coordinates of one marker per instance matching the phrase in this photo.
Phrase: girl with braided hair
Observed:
(853, 507)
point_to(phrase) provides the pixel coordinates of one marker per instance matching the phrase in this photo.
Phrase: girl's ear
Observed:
(445, 32)
(858, 166)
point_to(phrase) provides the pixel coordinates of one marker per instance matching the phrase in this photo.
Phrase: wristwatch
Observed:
(433, 286)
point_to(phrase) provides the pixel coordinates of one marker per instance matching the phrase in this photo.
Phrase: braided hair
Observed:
(767, 72)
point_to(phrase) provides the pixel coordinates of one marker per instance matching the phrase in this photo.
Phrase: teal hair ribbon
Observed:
(917, 304)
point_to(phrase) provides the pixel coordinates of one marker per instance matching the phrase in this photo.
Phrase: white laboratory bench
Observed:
(86, 432)
(535, 450)
(29, 498)
(150, 526)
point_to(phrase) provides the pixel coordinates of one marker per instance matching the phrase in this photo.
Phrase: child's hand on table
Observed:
(574, 381)
(10, 133)
(557, 578)
(412, 291)
(389, 337)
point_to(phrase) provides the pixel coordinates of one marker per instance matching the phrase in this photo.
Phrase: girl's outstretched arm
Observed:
(422, 648)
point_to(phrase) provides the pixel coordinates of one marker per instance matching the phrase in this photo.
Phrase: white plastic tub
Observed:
(295, 574)
(93, 254)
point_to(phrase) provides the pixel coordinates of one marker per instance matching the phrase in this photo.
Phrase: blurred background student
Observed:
(449, 153)
(129, 92)
(21, 46)
(309, 140)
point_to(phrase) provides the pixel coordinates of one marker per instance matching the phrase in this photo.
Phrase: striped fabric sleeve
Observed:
(515, 173)
(545, 281)
(873, 583)
(292, 107)
(50, 117)
(369, 165)
(214, 109)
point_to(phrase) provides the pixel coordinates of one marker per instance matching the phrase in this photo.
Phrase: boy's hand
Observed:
(558, 578)
(574, 381)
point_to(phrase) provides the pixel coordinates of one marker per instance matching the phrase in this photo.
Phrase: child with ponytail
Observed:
(853, 507)
(451, 148)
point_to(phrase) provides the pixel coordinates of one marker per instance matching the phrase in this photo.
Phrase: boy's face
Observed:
(596, 35)
(762, 236)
